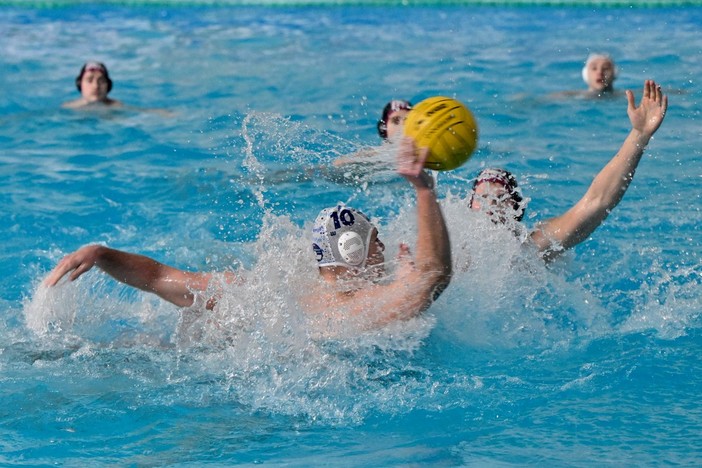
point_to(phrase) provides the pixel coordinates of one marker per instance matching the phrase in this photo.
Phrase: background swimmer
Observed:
(349, 254)
(94, 84)
(599, 74)
(495, 191)
(393, 118)
(389, 128)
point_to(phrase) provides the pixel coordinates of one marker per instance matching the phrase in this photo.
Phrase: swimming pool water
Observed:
(222, 159)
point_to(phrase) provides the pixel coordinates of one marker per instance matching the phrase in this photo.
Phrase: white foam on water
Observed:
(258, 341)
(503, 295)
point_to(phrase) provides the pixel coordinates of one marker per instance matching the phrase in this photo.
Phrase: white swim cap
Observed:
(341, 237)
(593, 56)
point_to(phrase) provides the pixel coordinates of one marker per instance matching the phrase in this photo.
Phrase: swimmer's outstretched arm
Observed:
(357, 157)
(425, 278)
(173, 285)
(432, 261)
(609, 186)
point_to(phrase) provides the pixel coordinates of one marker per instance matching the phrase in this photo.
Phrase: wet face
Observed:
(93, 86)
(600, 74)
(493, 199)
(395, 122)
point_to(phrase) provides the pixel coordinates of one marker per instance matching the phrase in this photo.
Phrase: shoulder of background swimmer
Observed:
(584, 94)
(81, 103)
(74, 104)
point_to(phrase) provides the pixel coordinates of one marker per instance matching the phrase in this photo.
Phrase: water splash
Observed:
(257, 348)
(503, 296)
(667, 300)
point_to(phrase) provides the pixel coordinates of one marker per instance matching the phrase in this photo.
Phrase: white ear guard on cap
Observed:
(341, 237)
(351, 248)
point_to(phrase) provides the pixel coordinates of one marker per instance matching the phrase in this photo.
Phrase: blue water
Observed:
(221, 161)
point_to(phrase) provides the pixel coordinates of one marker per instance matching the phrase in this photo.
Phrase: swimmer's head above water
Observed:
(599, 73)
(94, 81)
(344, 237)
(394, 115)
(495, 192)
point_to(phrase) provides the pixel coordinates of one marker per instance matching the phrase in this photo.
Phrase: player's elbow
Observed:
(438, 277)
(440, 287)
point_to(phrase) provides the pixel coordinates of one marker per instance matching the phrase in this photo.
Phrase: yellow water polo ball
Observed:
(447, 127)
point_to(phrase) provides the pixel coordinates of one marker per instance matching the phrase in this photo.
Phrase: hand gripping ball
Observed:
(447, 127)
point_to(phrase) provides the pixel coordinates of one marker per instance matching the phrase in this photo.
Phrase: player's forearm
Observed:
(433, 252)
(611, 183)
(135, 270)
(146, 274)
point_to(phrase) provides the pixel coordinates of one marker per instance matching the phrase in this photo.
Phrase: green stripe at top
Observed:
(292, 3)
